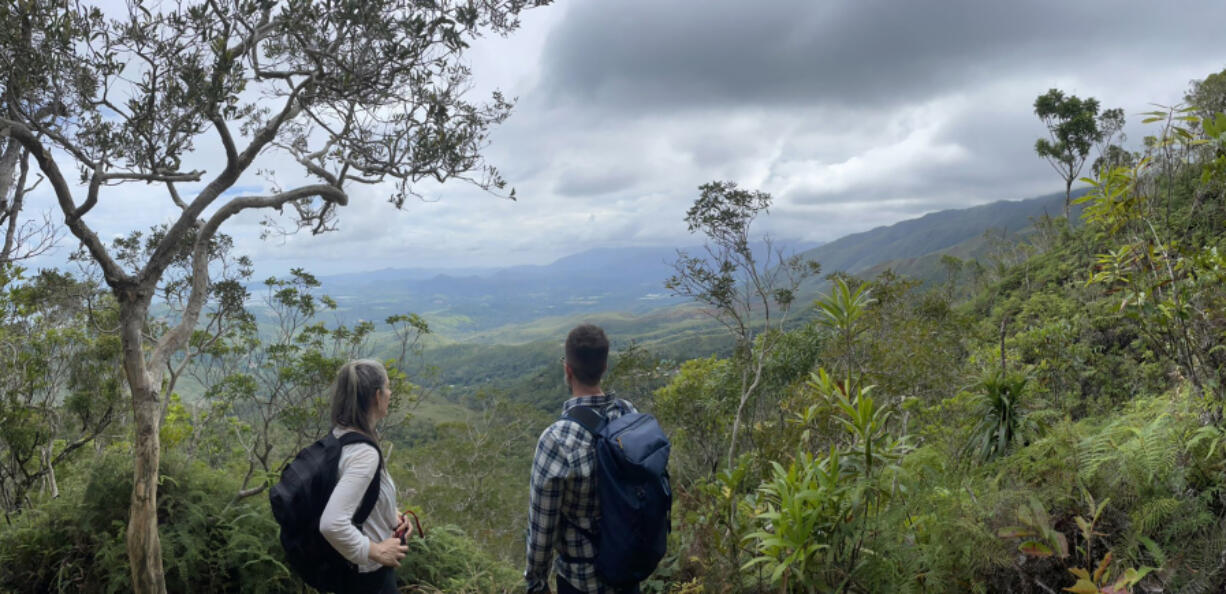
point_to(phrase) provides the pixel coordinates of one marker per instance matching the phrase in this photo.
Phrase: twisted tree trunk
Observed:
(144, 545)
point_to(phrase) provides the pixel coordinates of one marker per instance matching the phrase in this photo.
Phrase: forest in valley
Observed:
(1034, 410)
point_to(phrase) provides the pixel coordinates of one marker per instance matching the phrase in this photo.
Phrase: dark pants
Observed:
(380, 581)
(564, 587)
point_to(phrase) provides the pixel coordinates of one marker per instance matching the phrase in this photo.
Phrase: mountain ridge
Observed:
(494, 305)
(932, 232)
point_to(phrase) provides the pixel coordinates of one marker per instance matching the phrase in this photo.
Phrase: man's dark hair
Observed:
(587, 353)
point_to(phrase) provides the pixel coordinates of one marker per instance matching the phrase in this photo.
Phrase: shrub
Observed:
(210, 544)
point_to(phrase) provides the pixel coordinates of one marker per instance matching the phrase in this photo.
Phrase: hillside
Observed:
(932, 233)
(513, 356)
(912, 247)
(624, 287)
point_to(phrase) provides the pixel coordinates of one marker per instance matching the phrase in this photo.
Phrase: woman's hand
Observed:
(388, 553)
(403, 529)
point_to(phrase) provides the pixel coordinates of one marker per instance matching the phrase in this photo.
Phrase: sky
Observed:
(851, 113)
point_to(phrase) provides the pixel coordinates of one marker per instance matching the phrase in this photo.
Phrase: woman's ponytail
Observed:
(355, 394)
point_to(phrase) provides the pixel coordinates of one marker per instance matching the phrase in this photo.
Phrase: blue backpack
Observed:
(633, 491)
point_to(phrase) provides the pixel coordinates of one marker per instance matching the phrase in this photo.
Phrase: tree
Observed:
(636, 374)
(697, 404)
(23, 74)
(1112, 157)
(268, 391)
(1074, 127)
(1110, 126)
(20, 238)
(1208, 96)
(352, 92)
(749, 297)
(60, 385)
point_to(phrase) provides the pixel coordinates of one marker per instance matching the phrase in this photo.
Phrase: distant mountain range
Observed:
(490, 304)
(458, 302)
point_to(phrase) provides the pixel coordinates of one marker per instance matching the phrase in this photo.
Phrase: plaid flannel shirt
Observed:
(563, 507)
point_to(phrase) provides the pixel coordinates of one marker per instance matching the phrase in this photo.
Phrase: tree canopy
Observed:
(1074, 127)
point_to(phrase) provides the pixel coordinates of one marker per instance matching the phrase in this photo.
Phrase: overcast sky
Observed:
(851, 113)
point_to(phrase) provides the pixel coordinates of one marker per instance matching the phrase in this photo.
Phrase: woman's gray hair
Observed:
(355, 394)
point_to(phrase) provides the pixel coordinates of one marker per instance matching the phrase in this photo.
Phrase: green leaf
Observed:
(1100, 573)
(756, 561)
(1035, 548)
(1133, 575)
(1083, 586)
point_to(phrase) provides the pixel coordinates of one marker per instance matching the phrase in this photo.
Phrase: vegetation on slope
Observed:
(1058, 429)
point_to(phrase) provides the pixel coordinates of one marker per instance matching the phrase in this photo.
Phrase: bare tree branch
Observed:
(113, 272)
(161, 257)
(227, 140)
(177, 337)
(190, 176)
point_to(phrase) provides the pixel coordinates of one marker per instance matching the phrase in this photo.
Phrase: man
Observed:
(563, 506)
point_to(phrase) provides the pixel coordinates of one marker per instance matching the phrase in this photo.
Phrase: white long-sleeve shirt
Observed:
(357, 467)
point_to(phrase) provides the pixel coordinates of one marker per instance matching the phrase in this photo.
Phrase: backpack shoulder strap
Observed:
(625, 406)
(372, 491)
(588, 418)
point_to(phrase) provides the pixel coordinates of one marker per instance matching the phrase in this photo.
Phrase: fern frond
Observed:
(1153, 513)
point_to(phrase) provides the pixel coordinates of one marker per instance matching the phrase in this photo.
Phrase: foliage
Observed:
(447, 561)
(267, 389)
(696, 406)
(804, 508)
(1097, 424)
(720, 516)
(1074, 126)
(1208, 95)
(841, 313)
(75, 543)
(60, 384)
(635, 374)
(1002, 417)
(749, 294)
(1165, 284)
(1100, 580)
(814, 514)
(1041, 539)
(471, 474)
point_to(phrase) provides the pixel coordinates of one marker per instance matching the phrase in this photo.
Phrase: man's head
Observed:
(587, 354)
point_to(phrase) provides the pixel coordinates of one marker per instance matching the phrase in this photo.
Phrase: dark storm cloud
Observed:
(639, 54)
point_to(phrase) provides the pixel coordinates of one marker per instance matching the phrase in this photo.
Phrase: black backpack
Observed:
(633, 491)
(298, 501)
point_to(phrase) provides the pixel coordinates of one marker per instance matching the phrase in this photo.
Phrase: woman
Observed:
(359, 402)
